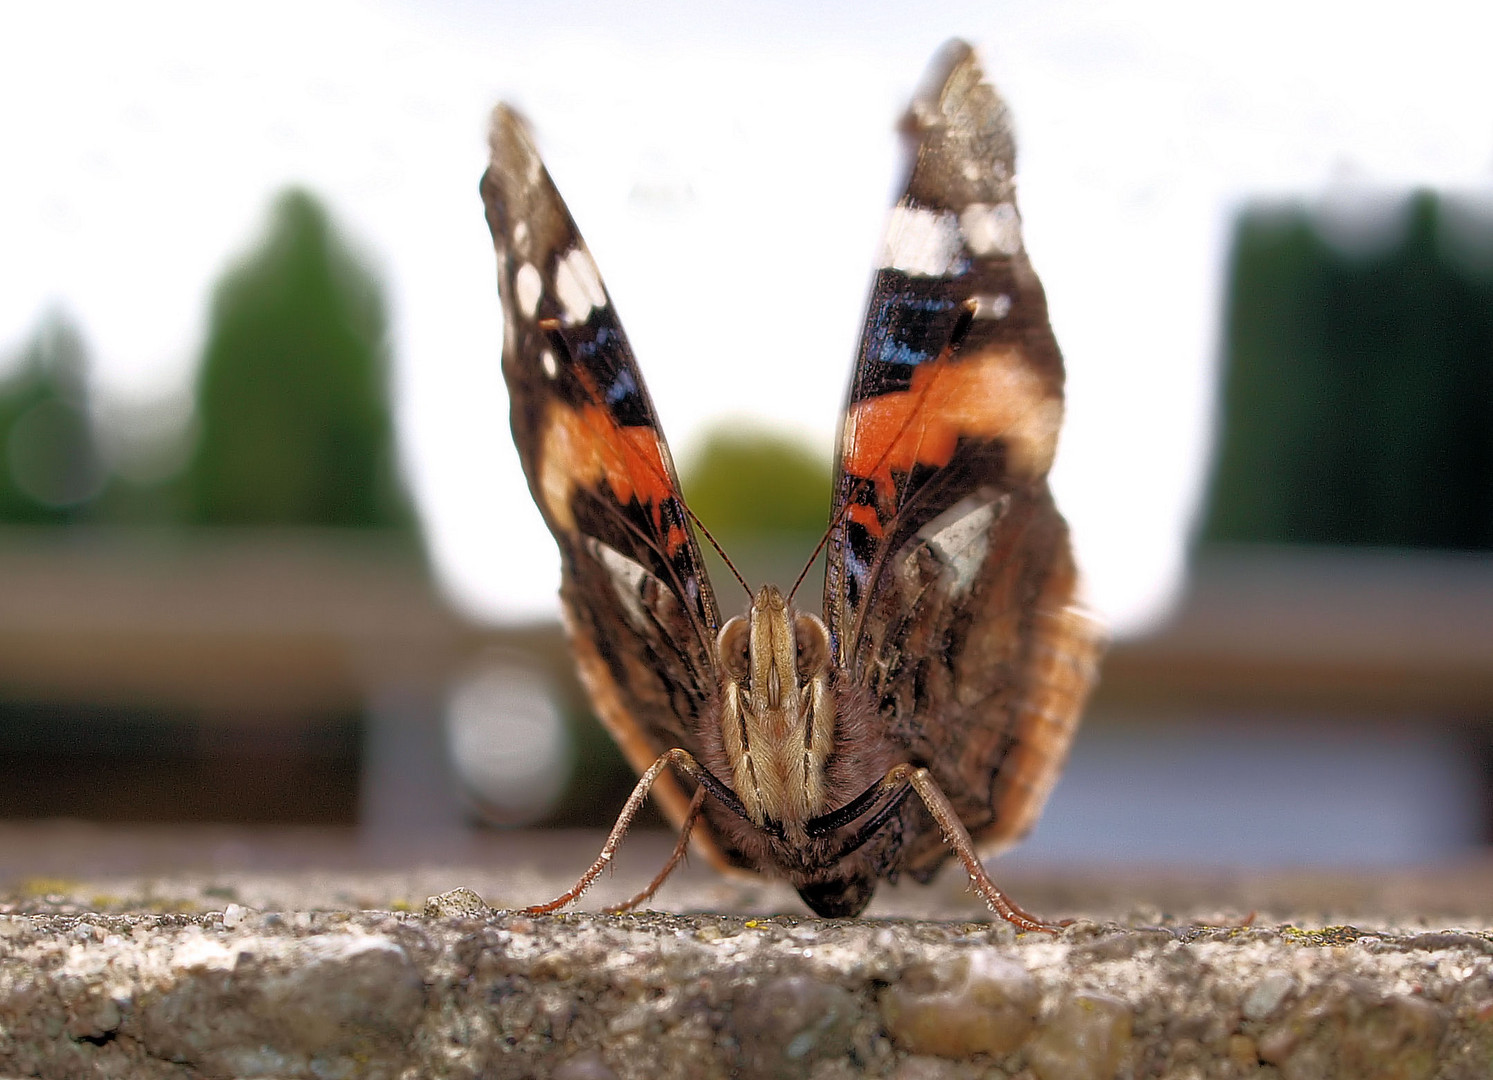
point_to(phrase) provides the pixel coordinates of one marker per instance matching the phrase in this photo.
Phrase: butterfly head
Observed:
(778, 714)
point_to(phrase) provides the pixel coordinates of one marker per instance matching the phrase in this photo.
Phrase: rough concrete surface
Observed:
(251, 974)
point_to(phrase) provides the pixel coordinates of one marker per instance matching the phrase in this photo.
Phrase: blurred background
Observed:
(267, 559)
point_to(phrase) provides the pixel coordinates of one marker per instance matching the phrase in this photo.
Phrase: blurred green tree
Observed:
(753, 485)
(1358, 389)
(765, 497)
(292, 409)
(50, 467)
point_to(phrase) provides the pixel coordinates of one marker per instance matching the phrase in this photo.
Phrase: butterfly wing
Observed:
(637, 602)
(950, 586)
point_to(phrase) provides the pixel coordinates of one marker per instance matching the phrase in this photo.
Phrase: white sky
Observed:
(731, 172)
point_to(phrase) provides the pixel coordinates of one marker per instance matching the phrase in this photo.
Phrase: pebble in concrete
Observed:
(923, 1067)
(1086, 1039)
(262, 1008)
(1266, 995)
(979, 1002)
(783, 1026)
(587, 1065)
(1350, 1031)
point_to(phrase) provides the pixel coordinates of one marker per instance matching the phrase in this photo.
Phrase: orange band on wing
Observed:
(992, 395)
(586, 446)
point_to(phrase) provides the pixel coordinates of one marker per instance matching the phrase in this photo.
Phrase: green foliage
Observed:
(757, 485)
(292, 408)
(1358, 394)
(49, 463)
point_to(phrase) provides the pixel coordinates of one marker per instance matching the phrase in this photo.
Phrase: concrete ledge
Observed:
(301, 953)
(463, 991)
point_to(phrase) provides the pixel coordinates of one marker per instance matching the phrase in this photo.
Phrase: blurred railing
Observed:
(1318, 629)
(269, 632)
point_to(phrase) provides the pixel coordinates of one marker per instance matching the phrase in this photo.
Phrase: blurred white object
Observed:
(509, 744)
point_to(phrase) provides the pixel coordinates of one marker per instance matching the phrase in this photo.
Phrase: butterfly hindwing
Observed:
(638, 604)
(956, 643)
(950, 586)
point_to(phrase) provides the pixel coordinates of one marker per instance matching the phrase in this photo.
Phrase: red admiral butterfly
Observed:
(953, 659)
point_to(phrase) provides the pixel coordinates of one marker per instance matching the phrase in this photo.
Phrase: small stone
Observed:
(344, 984)
(978, 1002)
(552, 968)
(1345, 1034)
(1266, 995)
(587, 1065)
(342, 1000)
(459, 903)
(636, 1018)
(920, 1067)
(234, 915)
(1277, 1042)
(1395, 1039)
(783, 1025)
(1243, 1052)
(15, 926)
(1185, 1051)
(839, 1069)
(1085, 1040)
(94, 1017)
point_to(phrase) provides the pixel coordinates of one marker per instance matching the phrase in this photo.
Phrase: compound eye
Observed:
(733, 645)
(811, 640)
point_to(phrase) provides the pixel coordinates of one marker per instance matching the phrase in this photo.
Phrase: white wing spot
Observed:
(527, 289)
(960, 537)
(630, 581)
(992, 307)
(547, 361)
(991, 230)
(924, 243)
(578, 286)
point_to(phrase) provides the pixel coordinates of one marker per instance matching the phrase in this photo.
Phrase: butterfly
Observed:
(928, 712)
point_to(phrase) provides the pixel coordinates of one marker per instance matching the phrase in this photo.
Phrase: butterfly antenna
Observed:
(718, 549)
(823, 539)
(956, 337)
(551, 329)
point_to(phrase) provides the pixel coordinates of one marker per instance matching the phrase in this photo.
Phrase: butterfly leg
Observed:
(680, 850)
(957, 837)
(686, 764)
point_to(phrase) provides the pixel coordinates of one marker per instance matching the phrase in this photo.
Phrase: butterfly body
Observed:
(795, 743)
(952, 659)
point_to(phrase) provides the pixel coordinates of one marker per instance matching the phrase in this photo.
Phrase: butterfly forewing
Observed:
(958, 657)
(950, 587)
(636, 598)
